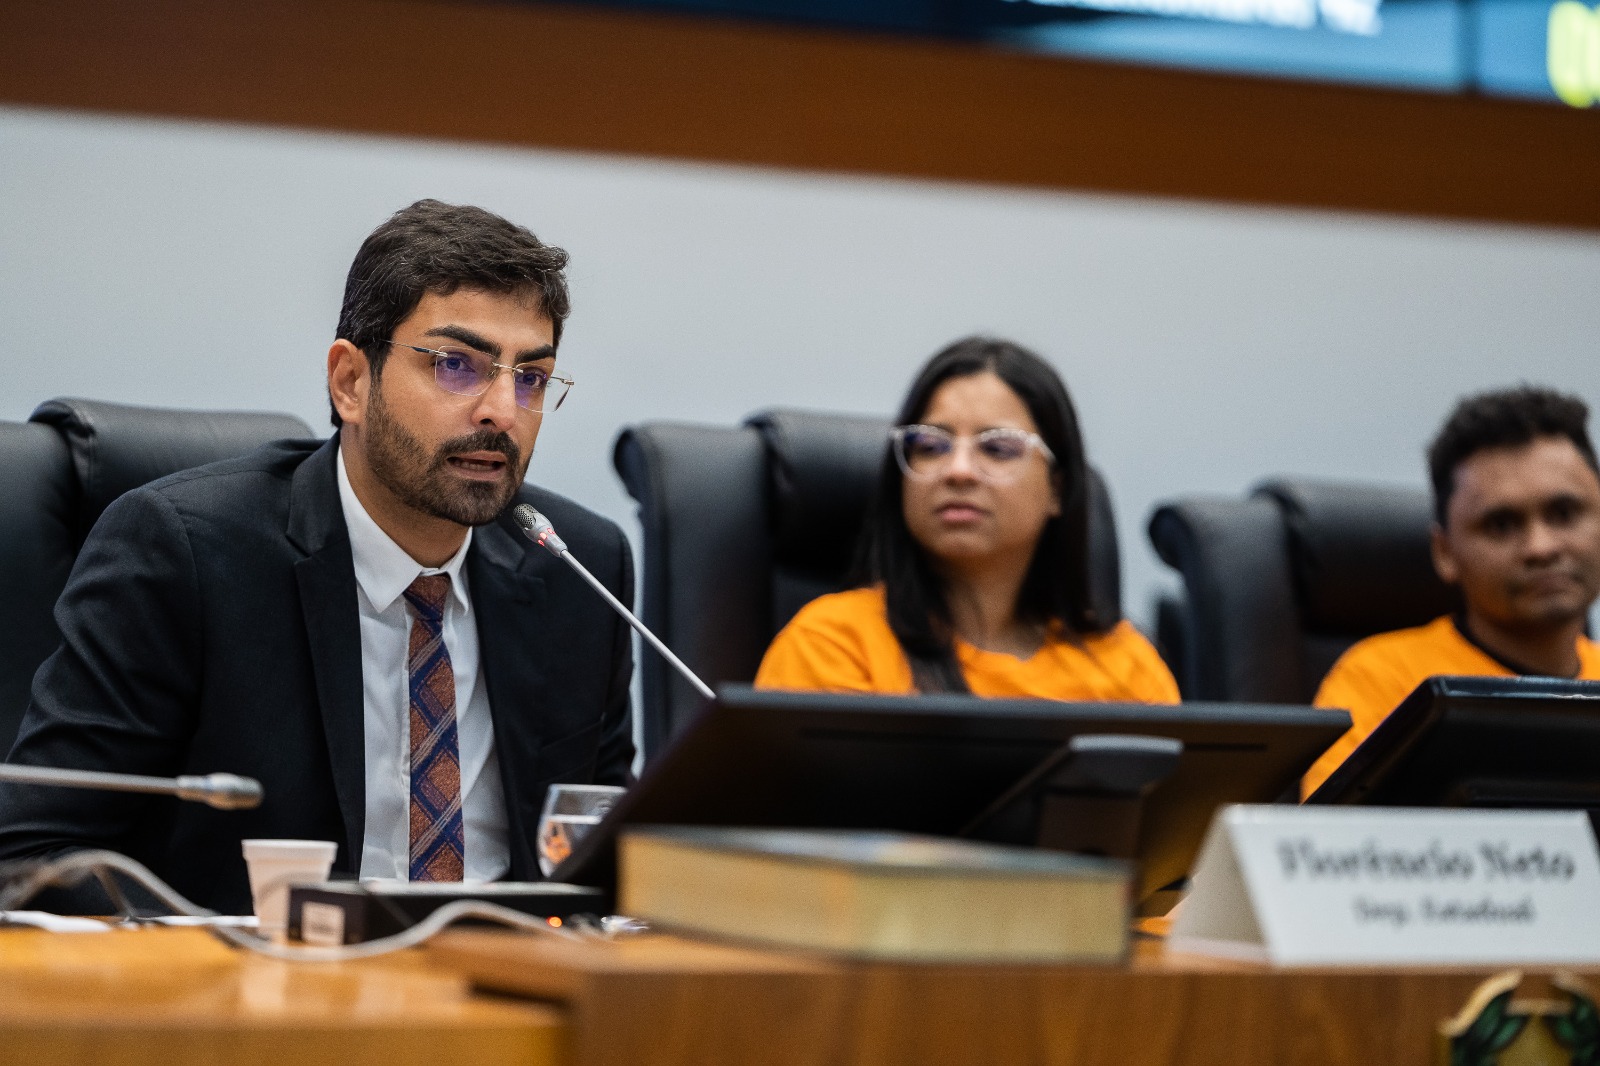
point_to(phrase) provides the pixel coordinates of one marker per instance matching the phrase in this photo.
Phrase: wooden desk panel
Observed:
(634, 1003)
(176, 997)
(663, 1000)
(1157, 1011)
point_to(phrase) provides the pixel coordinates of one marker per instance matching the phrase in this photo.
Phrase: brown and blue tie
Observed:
(437, 841)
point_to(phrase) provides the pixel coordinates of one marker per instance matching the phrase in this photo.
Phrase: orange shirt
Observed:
(843, 643)
(1373, 676)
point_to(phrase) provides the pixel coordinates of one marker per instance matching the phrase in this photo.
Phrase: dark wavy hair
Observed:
(1056, 588)
(1506, 418)
(437, 247)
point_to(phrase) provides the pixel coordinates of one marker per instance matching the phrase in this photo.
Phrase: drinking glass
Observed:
(570, 811)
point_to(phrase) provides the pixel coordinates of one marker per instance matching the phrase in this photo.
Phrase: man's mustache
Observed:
(481, 441)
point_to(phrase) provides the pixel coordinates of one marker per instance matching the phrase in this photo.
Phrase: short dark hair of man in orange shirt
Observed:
(1516, 492)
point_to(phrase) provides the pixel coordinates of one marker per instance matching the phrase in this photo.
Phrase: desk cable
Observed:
(29, 879)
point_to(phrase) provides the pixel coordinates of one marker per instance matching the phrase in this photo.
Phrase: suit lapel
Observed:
(327, 581)
(506, 592)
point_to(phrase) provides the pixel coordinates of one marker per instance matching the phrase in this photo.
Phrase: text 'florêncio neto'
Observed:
(1375, 861)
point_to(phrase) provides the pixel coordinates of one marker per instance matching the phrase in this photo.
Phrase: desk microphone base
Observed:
(349, 912)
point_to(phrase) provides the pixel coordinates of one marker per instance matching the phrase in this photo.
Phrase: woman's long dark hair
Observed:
(1056, 588)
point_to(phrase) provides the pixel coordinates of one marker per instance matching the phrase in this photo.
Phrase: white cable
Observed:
(72, 869)
(79, 866)
(406, 938)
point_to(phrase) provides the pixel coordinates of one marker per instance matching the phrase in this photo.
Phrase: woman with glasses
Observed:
(974, 561)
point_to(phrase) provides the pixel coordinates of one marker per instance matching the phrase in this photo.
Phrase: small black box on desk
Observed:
(349, 912)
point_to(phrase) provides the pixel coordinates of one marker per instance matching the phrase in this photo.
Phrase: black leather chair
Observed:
(38, 542)
(743, 526)
(58, 472)
(1278, 585)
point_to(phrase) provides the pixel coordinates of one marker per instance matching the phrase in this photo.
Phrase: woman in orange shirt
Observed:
(974, 559)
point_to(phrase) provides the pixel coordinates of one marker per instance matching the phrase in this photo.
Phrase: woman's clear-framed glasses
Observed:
(465, 372)
(998, 454)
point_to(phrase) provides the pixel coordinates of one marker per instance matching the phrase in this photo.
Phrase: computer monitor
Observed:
(933, 764)
(1479, 742)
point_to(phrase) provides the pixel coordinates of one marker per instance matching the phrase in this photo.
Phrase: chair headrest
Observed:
(116, 447)
(1359, 555)
(824, 470)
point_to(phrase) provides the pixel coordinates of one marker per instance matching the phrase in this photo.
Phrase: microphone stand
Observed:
(539, 530)
(226, 792)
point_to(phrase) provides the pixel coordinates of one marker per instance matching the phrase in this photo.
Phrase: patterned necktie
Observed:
(437, 842)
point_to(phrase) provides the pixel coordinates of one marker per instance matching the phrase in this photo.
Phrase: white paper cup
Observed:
(275, 865)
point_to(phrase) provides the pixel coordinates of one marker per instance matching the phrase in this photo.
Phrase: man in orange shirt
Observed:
(1517, 531)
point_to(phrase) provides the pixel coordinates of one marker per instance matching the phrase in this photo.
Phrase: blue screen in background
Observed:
(1510, 48)
(1415, 45)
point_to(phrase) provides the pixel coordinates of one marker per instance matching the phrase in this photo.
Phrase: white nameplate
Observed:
(1345, 885)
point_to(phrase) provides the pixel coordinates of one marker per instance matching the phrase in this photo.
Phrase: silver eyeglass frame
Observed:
(488, 381)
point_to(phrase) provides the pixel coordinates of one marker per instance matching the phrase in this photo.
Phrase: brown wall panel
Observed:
(617, 81)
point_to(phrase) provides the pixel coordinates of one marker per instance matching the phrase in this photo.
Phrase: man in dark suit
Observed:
(358, 624)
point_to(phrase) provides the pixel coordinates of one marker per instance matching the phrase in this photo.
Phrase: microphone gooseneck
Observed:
(226, 792)
(537, 528)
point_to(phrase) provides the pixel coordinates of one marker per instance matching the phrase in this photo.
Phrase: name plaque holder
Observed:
(1299, 886)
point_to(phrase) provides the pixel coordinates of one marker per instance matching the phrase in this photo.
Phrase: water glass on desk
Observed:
(570, 811)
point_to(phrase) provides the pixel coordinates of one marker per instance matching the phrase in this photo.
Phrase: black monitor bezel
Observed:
(1279, 742)
(1418, 755)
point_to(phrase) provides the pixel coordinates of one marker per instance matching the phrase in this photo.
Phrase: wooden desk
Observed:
(176, 997)
(661, 1000)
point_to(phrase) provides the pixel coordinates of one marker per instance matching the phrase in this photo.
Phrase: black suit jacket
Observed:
(210, 624)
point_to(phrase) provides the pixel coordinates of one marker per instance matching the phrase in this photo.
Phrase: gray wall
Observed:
(201, 265)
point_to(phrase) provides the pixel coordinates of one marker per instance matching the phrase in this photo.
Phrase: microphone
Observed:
(225, 792)
(538, 529)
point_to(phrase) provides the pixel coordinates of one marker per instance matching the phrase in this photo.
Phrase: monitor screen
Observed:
(1536, 50)
(933, 764)
(1479, 741)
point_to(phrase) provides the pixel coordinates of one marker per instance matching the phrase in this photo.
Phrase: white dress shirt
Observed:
(383, 572)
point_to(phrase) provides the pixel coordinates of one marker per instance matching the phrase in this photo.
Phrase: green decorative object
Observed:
(1493, 1030)
(1578, 1029)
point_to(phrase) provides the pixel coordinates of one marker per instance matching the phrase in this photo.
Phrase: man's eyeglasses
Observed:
(468, 373)
(926, 452)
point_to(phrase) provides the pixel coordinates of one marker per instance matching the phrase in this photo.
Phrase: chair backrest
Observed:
(58, 472)
(116, 447)
(38, 542)
(1278, 585)
(745, 525)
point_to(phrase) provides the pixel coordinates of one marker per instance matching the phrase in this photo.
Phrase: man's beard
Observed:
(402, 465)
